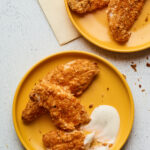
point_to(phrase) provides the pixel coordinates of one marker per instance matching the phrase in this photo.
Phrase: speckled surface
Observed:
(26, 38)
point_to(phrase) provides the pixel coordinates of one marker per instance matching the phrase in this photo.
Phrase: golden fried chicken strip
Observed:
(65, 110)
(84, 6)
(59, 140)
(75, 76)
(32, 111)
(121, 16)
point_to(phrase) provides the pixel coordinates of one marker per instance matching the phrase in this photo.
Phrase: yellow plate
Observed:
(118, 95)
(94, 27)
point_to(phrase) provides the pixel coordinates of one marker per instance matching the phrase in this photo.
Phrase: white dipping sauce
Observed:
(105, 123)
(89, 139)
(101, 148)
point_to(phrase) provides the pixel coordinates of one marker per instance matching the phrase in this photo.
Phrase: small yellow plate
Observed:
(109, 88)
(94, 27)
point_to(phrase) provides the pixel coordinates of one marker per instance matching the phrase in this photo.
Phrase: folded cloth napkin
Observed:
(57, 17)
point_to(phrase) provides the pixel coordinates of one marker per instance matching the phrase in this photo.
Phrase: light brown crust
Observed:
(32, 111)
(74, 77)
(121, 16)
(65, 110)
(59, 140)
(84, 6)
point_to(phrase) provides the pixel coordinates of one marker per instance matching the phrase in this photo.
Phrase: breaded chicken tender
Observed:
(32, 111)
(74, 77)
(84, 6)
(59, 140)
(121, 16)
(65, 110)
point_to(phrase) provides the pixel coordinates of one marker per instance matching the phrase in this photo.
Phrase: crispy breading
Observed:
(121, 16)
(32, 111)
(74, 77)
(65, 110)
(84, 6)
(59, 140)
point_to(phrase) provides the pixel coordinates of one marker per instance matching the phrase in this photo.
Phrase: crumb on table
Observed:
(148, 64)
(133, 66)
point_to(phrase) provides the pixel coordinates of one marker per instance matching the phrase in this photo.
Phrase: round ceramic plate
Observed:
(94, 27)
(118, 95)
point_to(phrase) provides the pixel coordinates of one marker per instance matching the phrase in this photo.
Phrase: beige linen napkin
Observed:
(57, 17)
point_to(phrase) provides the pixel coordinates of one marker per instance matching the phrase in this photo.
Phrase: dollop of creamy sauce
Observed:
(104, 126)
(89, 139)
(101, 148)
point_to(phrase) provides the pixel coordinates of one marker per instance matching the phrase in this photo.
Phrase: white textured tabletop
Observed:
(26, 38)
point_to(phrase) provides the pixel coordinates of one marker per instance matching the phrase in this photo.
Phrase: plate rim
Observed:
(141, 48)
(62, 53)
